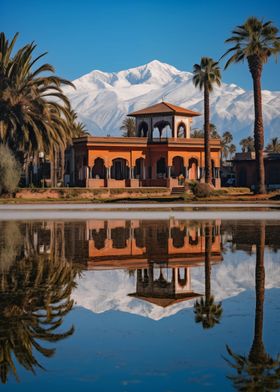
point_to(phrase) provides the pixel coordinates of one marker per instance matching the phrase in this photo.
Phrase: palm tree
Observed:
(214, 134)
(258, 371)
(206, 74)
(225, 143)
(197, 133)
(206, 310)
(35, 297)
(255, 42)
(274, 145)
(78, 127)
(247, 144)
(231, 149)
(33, 108)
(128, 127)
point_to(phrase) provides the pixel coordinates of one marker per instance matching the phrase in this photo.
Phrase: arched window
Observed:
(143, 129)
(181, 130)
(99, 238)
(119, 236)
(99, 170)
(182, 276)
(163, 128)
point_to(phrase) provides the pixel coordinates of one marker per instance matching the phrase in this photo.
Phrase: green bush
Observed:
(9, 171)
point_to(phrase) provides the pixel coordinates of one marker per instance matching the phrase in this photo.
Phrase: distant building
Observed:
(245, 170)
(162, 154)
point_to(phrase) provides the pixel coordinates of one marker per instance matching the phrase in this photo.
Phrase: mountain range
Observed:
(102, 100)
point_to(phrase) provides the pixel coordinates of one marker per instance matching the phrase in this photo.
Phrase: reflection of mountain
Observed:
(101, 291)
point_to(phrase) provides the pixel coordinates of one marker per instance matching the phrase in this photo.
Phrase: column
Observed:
(169, 171)
(144, 171)
(201, 172)
(186, 172)
(108, 173)
(132, 172)
(151, 274)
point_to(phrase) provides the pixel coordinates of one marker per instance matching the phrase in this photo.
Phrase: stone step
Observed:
(177, 190)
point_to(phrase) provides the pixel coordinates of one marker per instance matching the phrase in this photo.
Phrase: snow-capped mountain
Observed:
(102, 100)
(101, 291)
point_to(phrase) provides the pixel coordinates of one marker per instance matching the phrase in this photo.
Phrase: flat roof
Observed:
(143, 141)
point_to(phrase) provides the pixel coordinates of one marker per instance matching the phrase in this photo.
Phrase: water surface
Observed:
(126, 303)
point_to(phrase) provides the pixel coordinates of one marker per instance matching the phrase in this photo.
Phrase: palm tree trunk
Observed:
(257, 352)
(207, 136)
(53, 167)
(255, 67)
(208, 247)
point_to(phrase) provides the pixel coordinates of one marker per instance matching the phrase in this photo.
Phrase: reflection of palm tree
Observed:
(206, 310)
(35, 296)
(257, 371)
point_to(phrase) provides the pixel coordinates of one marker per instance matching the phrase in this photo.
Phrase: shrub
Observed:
(9, 170)
(201, 189)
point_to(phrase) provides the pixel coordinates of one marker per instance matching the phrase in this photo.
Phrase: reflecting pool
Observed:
(131, 304)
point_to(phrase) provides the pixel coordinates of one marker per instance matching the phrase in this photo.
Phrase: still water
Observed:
(135, 304)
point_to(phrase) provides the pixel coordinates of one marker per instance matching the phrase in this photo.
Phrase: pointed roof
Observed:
(164, 108)
(166, 301)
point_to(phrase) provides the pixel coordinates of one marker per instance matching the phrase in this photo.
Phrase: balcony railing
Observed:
(162, 140)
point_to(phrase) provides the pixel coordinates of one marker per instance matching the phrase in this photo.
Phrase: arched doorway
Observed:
(119, 170)
(193, 166)
(139, 170)
(177, 167)
(143, 129)
(181, 130)
(99, 170)
(161, 168)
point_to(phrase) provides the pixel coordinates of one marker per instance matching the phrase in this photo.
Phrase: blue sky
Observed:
(82, 35)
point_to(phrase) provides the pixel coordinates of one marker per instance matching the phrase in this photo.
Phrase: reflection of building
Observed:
(164, 285)
(162, 252)
(242, 237)
(134, 244)
(160, 155)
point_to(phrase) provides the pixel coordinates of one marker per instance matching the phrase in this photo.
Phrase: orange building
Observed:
(162, 153)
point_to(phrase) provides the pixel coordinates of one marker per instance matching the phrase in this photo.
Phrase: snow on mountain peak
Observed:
(152, 72)
(101, 291)
(102, 100)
